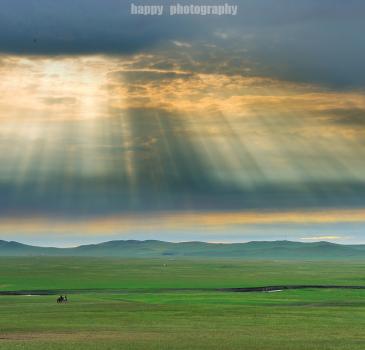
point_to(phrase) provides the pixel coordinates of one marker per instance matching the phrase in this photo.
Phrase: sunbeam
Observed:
(92, 136)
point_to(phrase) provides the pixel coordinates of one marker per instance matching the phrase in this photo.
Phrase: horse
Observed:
(62, 299)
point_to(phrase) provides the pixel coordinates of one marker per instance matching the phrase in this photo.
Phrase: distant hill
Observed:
(278, 250)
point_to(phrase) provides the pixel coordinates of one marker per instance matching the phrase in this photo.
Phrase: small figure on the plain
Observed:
(62, 299)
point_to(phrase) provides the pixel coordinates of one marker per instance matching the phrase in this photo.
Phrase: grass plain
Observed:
(166, 304)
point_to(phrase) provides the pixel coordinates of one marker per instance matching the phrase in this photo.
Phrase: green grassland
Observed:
(129, 306)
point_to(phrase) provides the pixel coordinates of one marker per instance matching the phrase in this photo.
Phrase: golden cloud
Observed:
(212, 221)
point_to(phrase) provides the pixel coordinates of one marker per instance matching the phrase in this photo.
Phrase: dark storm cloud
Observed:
(308, 41)
(89, 197)
(80, 27)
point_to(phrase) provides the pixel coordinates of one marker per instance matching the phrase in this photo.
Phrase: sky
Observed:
(211, 128)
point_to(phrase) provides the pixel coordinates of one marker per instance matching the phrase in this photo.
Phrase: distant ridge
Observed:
(257, 250)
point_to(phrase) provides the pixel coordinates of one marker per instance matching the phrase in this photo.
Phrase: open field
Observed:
(139, 315)
(81, 273)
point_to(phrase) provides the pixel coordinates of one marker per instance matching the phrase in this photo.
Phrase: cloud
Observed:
(81, 27)
(141, 138)
(351, 116)
(212, 221)
(59, 100)
(310, 42)
(322, 238)
(150, 75)
(181, 44)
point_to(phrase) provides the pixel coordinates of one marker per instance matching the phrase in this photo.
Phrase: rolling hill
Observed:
(263, 250)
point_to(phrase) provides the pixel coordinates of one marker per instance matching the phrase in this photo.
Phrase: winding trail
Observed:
(45, 292)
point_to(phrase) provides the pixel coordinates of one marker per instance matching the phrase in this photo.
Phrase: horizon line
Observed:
(180, 242)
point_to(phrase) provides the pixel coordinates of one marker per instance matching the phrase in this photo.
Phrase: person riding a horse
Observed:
(62, 299)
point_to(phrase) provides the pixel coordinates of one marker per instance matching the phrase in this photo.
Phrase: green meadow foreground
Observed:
(142, 304)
